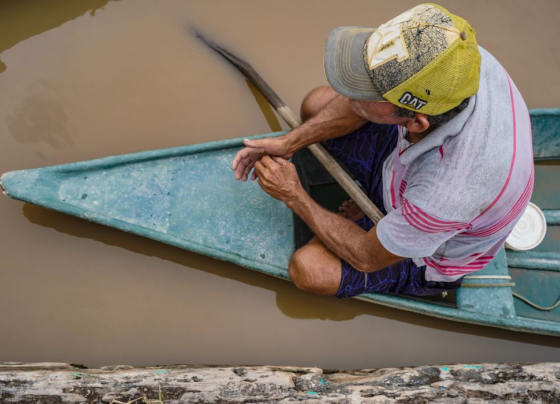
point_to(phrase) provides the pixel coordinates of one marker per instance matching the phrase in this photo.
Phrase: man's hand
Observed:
(278, 178)
(246, 158)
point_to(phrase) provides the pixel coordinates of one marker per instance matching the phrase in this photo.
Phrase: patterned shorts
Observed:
(364, 152)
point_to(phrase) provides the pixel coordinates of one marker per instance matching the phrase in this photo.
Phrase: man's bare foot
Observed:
(350, 210)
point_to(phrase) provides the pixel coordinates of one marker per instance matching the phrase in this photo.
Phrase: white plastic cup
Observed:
(529, 230)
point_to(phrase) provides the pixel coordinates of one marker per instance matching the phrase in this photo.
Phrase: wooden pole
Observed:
(293, 121)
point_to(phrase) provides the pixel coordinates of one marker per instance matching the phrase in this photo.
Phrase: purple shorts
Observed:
(364, 152)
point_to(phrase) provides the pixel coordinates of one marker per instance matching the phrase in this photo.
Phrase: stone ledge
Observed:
(480, 383)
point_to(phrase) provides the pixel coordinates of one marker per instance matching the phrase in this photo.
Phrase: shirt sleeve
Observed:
(413, 233)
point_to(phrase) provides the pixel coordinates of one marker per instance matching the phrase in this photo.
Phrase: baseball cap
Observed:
(424, 60)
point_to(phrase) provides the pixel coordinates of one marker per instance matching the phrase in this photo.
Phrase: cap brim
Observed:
(344, 63)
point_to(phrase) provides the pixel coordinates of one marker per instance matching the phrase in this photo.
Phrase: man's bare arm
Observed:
(348, 241)
(344, 238)
(335, 119)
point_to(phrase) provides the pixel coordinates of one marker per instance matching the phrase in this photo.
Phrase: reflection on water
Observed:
(265, 108)
(81, 84)
(312, 308)
(290, 301)
(41, 117)
(37, 16)
(138, 245)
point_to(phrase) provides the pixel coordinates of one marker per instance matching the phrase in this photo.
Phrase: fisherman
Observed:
(438, 136)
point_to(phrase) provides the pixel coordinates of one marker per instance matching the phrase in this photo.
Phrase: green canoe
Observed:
(187, 197)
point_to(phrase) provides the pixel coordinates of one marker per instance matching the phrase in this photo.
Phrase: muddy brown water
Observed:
(88, 79)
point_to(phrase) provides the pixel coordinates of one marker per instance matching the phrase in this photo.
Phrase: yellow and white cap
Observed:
(424, 60)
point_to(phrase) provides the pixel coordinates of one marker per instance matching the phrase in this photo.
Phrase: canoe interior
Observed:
(536, 273)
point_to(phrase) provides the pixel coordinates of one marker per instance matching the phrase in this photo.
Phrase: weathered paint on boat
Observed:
(187, 197)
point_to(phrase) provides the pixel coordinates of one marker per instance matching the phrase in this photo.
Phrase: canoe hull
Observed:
(184, 196)
(187, 197)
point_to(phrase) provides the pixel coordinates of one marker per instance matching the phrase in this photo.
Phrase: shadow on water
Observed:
(291, 302)
(39, 16)
(41, 117)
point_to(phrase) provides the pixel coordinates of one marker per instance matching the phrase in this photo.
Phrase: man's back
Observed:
(454, 197)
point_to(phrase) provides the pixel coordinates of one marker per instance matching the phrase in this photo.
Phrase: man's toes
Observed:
(343, 206)
(350, 210)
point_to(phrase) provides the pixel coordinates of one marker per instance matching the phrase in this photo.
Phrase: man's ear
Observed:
(418, 124)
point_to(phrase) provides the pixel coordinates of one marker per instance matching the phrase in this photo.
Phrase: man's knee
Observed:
(300, 273)
(315, 101)
(308, 276)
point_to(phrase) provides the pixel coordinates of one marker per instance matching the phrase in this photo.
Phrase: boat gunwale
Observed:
(544, 112)
(145, 156)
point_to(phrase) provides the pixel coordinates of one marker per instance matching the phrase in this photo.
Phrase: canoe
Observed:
(187, 197)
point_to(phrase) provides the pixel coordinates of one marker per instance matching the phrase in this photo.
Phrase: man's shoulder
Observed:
(470, 170)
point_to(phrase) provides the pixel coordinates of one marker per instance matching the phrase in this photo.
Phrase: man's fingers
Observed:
(259, 169)
(247, 169)
(259, 166)
(270, 162)
(252, 143)
(239, 171)
(248, 160)
(283, 162)
(235, 162)
(240, 155)
(241, 168)
(267, 161)
(248, 153)
(254, 176)
(246, 173)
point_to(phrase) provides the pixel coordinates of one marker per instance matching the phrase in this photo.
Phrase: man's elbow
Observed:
(374, 264)
(368, 265)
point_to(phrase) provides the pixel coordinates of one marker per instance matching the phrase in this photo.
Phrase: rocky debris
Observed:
(456, 384)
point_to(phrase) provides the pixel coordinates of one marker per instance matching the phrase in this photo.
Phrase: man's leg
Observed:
(315, 101)
(315, 269)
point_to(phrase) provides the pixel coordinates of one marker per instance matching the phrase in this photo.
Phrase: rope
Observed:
(488, 277)
(536, 306)
(501, 285)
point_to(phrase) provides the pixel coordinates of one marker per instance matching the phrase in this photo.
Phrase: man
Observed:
(438, 136)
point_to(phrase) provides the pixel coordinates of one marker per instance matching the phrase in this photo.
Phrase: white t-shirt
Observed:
(453, 198)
